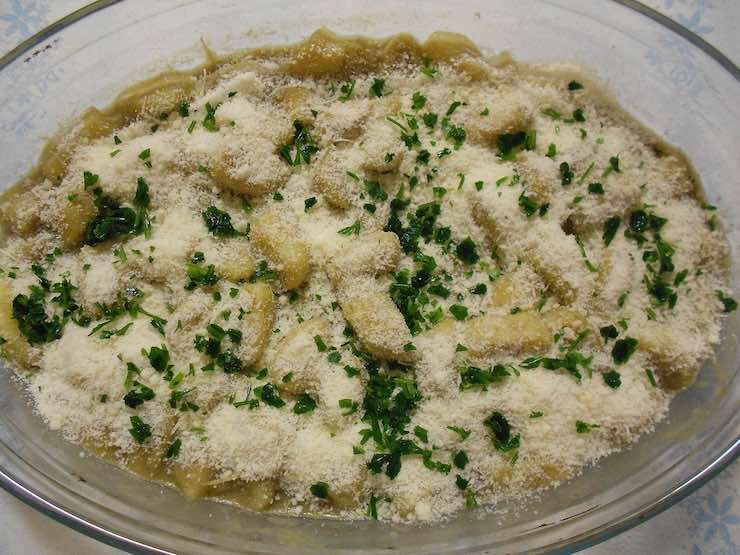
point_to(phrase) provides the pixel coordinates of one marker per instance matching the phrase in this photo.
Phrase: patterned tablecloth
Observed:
(706, 523)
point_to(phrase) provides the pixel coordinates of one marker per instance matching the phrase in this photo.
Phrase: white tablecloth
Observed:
(706, 523)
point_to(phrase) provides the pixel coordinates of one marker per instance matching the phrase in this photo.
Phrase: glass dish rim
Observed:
(16, 487)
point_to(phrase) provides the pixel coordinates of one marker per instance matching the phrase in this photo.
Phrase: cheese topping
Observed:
(363, 278)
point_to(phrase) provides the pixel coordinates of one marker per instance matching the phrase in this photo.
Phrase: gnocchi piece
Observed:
(520, 288)
(547, 475)
(509, 111)
(296, 100)
(197, 482)
(156, 95)
(621, 193)
(147, 463)
(379, 325)
(297, 355)
(556, 257)
(326, 54)
(193, 480)
(332, 181)
(562, 318)
(675, 365)
(373, 253)
(255, 170)
(257, 324)
(19, 211)
(318, 455)
(236, 262)
(173, 240)
(74, 219)
(381, 147)
(523, 332)
(53, 162)
(257, 495)
(280, 241)
(445, 46)
(500, 217)
(98, 124)
(435, 369)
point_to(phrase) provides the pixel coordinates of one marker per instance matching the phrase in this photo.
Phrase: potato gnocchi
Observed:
(361, 278)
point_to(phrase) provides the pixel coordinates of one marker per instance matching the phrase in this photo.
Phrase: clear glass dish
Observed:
(667, 77)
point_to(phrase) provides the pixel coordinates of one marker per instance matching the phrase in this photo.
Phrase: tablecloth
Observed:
(705, 523)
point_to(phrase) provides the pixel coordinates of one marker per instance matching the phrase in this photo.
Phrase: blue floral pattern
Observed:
(23, 18)
(715, 516)
(708, 521)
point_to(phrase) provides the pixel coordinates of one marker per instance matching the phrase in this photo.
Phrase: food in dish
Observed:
(363, 278)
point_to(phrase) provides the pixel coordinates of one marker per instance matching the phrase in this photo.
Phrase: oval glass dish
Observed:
(668, 78)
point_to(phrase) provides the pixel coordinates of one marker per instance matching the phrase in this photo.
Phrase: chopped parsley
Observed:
(610, 229)
(503, 440)
(729, 304)
(301, 148)
(174, 449)
(269, 395)
(353, 229)
(418, 101)
(623, 349)
(609, 332)
(139, 430)
(460, 459)
(566, 174)
(584, 427)
(596, 188)
(219, 223)
(320, 490)
(421, 433)
(377, 88)
(472, 377)
(346, 89)
(309, 203)
(507, 144)
(138, 395)
(304, 404)
(460, 312)
(612, 378)
(467, 251)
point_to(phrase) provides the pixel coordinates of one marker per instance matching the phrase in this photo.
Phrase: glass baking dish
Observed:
(663, 74)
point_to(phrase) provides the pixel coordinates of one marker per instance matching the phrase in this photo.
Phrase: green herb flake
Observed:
(584, 427)
(610, 229)
(421, 433)
(418, 101)
(612, 378)
(320, 490)
(139, 430)
(346, 89)
(728, 303)
(460, 312)
(304, 404)
(460, 459)
(353, 229)
(377, 88)
(596, 188)
(467, 251)
(623, 349)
